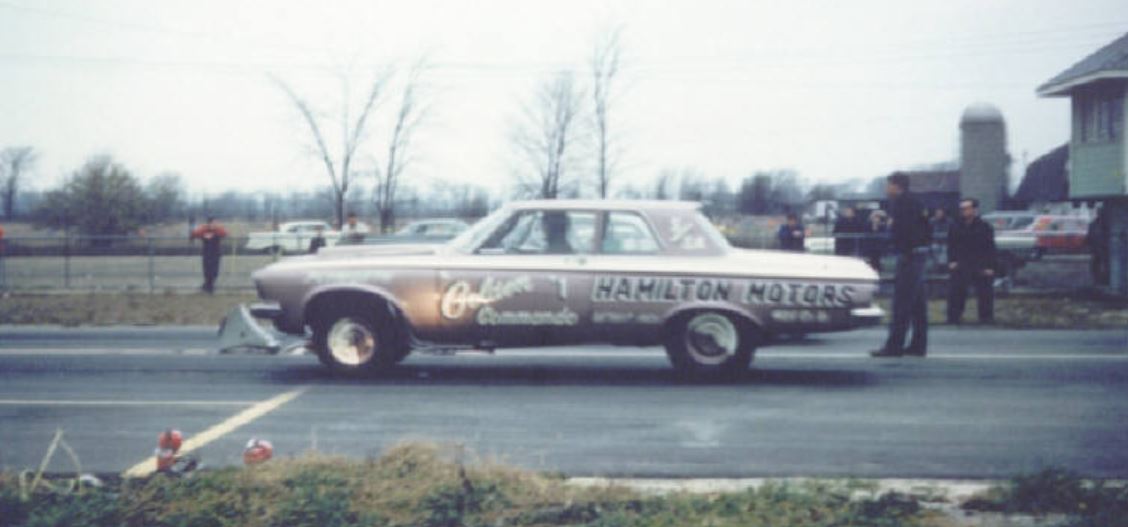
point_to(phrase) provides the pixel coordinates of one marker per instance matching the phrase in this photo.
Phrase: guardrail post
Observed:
(152, 270)
(66, 262)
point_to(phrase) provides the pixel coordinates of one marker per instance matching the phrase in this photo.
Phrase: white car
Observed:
(291, 237)
(560, 272)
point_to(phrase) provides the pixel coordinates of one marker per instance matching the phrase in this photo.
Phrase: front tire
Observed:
(351, 340)
(710, 343)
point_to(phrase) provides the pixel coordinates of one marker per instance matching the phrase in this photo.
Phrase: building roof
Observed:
(1109, 62)
(927, 181)
(1046, 180)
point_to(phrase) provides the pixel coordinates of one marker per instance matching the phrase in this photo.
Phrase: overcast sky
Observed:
(836, 90)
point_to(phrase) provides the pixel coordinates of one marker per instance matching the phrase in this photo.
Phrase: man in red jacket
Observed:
(212, 235)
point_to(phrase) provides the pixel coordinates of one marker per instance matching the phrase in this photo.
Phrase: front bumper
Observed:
(267, 310)
(866, 316)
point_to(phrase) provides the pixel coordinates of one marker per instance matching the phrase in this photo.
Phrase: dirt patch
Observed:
(424, 485)
(1038, 312)
(118, 308)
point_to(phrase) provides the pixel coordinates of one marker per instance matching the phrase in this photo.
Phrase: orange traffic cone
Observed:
(257, 451)
(170, 439)
(166, 457)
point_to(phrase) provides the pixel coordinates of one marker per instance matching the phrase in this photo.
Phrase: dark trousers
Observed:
(984, 295)
(211, 271)
(910, 303)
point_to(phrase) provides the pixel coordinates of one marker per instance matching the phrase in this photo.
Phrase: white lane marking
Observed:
(63, 352)
(149, 465)
(109, 402)
(952, 488)
(826, 355)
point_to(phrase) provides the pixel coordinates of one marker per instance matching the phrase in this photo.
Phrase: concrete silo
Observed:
(984, 162)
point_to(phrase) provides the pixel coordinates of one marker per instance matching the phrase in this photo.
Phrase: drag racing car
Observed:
(559, 272)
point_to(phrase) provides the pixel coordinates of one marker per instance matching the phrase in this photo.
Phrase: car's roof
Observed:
(603, 204)
(437, 220)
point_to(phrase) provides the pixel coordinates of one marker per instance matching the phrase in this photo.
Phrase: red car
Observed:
(1053, 234)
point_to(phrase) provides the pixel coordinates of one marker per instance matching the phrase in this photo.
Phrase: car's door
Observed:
(526, 284)
(627, 244)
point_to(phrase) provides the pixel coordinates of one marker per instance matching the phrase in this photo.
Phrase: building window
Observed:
(1102, 119)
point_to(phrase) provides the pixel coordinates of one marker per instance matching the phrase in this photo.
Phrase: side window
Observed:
(545, 232)
(628, 233)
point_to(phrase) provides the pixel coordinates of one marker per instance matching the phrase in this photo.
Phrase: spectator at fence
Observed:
(848, 229)
(212, 235)
(971, 261)
(1097, 239)
(792, 234)
(873, 245)
(318, 240)
(353, 231)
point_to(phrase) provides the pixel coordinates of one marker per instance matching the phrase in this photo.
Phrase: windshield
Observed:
(472, 237)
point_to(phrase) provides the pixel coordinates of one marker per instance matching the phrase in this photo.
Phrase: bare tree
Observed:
(545, 136)
(352, 134)
(604, 66)
(14, 160)
(412, 111)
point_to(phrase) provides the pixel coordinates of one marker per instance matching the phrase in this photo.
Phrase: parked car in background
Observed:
(291, 237)
(1050, 233)
(443, 229)
(556, 272)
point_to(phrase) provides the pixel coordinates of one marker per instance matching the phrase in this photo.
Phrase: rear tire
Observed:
(357, 338)
(711, 343)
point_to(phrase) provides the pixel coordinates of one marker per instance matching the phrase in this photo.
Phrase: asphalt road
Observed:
(987, 403)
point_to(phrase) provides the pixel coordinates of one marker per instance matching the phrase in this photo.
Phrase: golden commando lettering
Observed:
(460, 296)
(628, 289)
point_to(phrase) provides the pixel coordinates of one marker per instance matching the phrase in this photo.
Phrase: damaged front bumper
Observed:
(241, 329)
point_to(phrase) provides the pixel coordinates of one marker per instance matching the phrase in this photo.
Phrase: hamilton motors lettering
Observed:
(756, 292)
(799, 294)
(652, 289)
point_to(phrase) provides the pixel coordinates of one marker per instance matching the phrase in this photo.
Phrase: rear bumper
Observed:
(866, 316)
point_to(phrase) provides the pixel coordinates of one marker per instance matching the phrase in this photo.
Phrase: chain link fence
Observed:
(158, 264)
(121, 263)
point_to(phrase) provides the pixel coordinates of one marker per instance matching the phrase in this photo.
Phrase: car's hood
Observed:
(390, 249)
(800, 265)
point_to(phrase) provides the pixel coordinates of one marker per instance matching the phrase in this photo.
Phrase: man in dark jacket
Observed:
(791, 235)
(971, 261)
(1097, 239)
(910, 236)
(874, 243)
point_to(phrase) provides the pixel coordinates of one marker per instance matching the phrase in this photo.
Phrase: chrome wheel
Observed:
(351, 342)
(711, 338)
